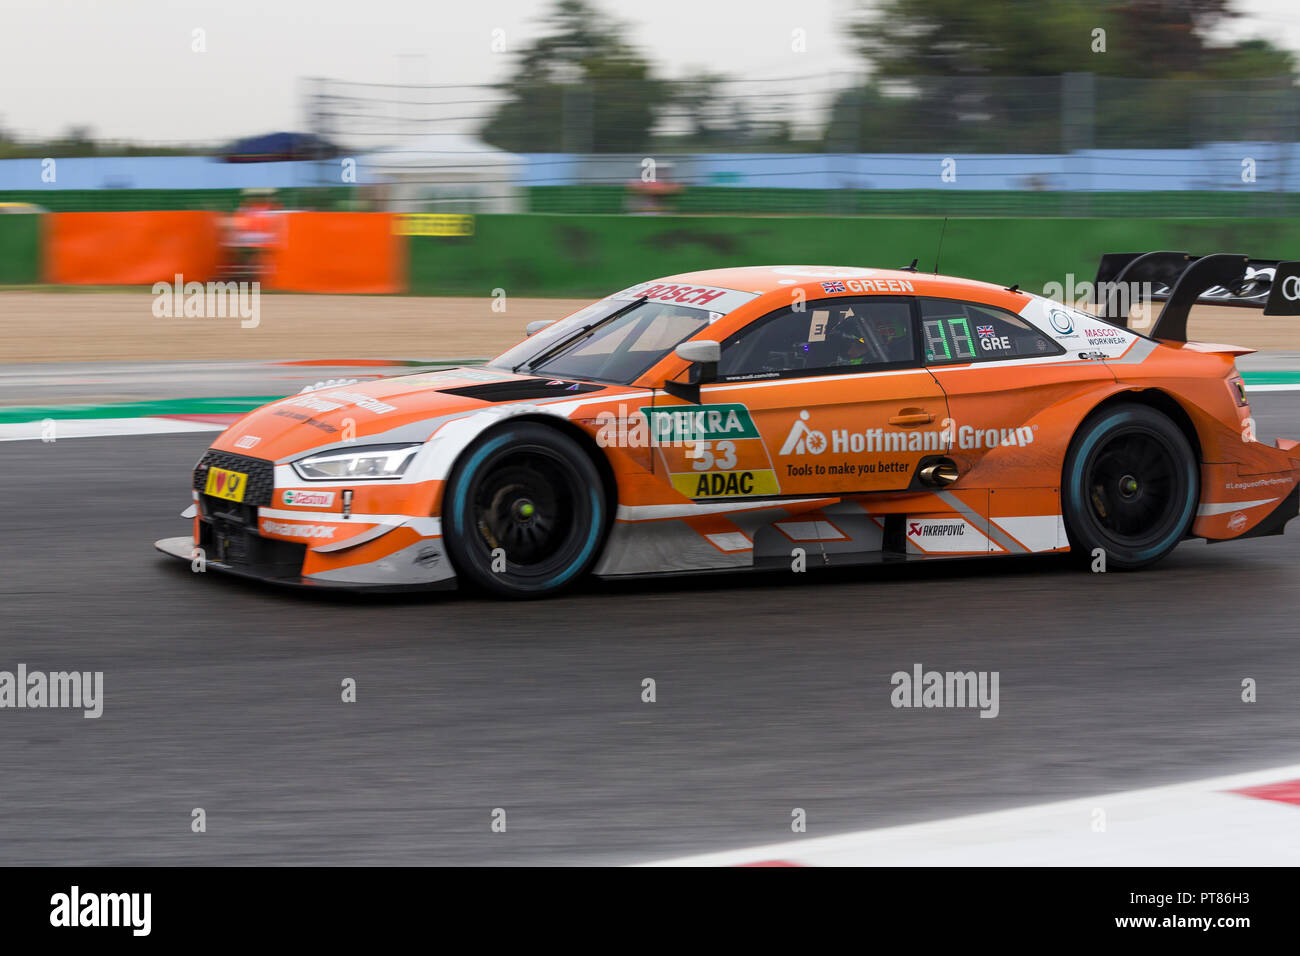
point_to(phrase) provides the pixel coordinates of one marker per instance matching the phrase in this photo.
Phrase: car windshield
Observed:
(602, 344)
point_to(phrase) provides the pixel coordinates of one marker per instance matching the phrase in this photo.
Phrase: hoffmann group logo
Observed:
(803, 439)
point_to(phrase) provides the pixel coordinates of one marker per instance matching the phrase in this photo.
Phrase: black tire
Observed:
(533, 492)
(1130, 487)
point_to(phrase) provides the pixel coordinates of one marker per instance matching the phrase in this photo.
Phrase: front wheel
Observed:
(1130, 486)
(524, 511)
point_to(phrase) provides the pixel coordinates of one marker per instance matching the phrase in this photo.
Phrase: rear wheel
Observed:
(524, 511)
(1130, 486)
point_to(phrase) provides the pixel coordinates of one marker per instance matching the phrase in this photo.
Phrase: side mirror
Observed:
(532, 328)
(704, 353)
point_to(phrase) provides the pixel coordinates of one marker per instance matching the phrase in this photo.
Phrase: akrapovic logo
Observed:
(919, 529)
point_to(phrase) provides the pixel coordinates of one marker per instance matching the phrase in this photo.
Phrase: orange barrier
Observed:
(357, 252)
(130, 248)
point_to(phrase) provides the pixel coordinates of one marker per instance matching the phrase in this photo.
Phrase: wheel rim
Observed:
(525, 506)
(1135, 491)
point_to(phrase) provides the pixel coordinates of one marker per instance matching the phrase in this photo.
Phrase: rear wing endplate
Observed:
(1181, 280)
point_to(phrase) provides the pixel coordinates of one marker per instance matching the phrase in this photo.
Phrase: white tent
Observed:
(445, 172)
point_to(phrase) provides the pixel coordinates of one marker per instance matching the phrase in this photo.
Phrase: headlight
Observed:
(373, 461)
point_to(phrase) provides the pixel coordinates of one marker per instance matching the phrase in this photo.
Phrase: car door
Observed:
(1015, 396)
(830, 398)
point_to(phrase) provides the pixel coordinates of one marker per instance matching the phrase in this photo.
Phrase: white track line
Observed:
(101, 427)
(1187, 824)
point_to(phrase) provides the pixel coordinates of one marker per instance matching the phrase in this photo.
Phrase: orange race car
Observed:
(774, 416)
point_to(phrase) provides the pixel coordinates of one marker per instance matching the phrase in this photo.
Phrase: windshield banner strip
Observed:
(708, 298)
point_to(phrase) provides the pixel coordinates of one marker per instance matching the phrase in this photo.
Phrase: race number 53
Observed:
(705, 456)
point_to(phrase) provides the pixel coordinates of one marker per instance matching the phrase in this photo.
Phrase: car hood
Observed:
(401, 408)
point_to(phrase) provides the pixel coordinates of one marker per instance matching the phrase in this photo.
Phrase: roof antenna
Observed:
(911, 268)
(940, 252)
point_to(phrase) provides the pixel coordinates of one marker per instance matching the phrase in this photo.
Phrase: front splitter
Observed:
(183, 548)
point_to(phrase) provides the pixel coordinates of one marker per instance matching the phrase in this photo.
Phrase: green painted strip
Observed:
(573, 255)
(20, 243)
(178, 406)
(1271, 378)
(235, 405)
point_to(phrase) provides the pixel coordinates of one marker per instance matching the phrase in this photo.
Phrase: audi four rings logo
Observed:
(1291, 288)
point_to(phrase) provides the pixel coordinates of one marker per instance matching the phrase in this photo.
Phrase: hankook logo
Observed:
(297, 530)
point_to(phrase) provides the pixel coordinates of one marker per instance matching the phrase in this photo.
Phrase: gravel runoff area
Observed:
(93, 326)
(121, 326)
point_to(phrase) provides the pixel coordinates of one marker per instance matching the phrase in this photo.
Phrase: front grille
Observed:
(227, 540)
(261, 475)
(228, 531)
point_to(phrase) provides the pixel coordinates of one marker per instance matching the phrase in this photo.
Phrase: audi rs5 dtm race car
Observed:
(734, 418)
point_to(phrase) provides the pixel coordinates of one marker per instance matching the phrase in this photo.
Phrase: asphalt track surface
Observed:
(773, 692)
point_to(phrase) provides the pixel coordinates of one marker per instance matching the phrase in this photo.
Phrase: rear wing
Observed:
(1181, 280)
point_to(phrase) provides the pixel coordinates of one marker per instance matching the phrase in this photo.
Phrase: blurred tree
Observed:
(578, 88)
(986, 76)
(1250, 59)
(704, 111)
(1155, 38)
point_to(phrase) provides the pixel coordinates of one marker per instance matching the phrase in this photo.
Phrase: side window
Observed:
(965, 332)
(827, 336)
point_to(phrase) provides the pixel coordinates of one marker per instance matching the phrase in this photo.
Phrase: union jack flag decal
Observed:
(983, 330)
(832, 286)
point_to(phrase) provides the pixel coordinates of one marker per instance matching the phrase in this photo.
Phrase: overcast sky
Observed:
(126, 68)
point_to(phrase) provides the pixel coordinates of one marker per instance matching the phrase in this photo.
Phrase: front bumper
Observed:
(269, 536)
(184, 548)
